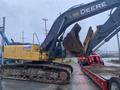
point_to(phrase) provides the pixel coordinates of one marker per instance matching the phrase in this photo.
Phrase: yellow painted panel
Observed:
(24, 52)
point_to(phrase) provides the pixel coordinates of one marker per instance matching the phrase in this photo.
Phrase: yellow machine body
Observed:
(25, 52)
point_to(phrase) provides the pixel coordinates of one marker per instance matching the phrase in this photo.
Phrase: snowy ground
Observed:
(107, 62)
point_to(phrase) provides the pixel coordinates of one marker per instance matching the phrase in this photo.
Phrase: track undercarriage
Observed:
(45, 72)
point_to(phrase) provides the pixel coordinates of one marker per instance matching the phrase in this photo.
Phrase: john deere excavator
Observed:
(38, 62)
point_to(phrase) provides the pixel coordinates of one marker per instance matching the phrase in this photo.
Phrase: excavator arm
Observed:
(95, 39)
(71, 16)
(105, 32)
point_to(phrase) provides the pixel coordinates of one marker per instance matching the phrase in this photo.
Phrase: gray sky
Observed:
(26, 15)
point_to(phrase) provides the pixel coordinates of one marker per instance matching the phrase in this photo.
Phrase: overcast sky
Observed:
(26, 15)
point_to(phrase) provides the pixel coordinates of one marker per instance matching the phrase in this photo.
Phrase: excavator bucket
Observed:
(88, 39)
(72, 42)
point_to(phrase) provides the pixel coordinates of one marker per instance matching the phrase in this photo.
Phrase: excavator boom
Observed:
(72, 15)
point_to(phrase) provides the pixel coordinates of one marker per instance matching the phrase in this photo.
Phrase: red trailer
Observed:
(106, 77)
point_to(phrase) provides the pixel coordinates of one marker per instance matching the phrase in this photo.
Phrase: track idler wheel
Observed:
(63, 76)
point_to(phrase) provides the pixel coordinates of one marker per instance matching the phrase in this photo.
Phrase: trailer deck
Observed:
(101, 74)
(105, 72)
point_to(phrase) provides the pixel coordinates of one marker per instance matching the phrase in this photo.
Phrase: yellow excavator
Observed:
(36, 65)
(38, 60)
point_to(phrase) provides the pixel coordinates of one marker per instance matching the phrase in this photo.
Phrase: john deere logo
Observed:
(93, 8)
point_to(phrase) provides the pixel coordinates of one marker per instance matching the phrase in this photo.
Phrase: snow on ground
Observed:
(107, 62)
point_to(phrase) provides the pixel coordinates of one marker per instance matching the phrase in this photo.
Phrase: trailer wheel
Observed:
(114, 84)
